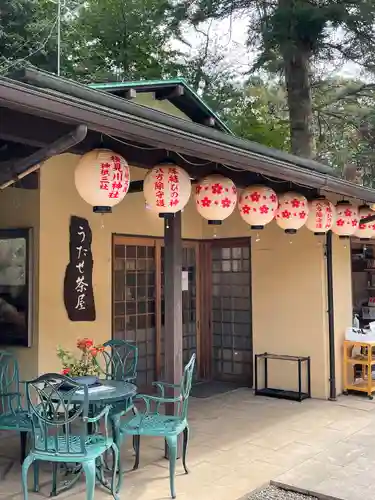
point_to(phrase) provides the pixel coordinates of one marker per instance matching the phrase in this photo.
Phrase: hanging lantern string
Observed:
(158, 149)
(194, 164)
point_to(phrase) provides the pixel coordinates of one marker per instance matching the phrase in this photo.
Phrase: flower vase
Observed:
(89, 380)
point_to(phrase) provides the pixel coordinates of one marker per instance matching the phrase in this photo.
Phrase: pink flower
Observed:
(295, 203)
(206, 202)
(217, 188)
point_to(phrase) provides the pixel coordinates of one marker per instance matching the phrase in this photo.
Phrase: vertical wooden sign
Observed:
(78, 290)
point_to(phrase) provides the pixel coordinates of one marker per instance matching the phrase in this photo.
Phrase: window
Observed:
(15, 287)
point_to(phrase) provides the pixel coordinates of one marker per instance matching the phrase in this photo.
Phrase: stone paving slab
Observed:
(239, 443)
(345, 470)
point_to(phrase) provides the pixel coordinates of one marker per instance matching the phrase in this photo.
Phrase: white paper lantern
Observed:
(166, 188)
(292, 212)
(367, 230)
(215, 198)
(102, 179)
(257, 206)
(321, 216)
(347, 219)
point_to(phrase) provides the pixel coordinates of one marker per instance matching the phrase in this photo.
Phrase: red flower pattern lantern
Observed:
(292, 212)
(347, 219)
(321, 216)
(257, 206)
(367, 230)
(102, 179)
(215, 198)
(167, 188)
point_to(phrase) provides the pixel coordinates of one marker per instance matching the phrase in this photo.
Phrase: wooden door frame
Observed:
(158, 242)
(206, 265)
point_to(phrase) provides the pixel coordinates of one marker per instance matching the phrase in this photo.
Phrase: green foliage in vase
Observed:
(85, 364)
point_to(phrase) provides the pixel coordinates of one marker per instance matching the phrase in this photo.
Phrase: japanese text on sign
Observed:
(319, 216)
(114, 177)
(169, 181)
(80, 282)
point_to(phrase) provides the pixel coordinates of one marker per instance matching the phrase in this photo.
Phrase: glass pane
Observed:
(134, 285)
(120, 251)
(231, 314)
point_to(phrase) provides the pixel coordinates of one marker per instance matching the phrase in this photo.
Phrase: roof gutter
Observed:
(65, 86)
(18, 169)
(63, 108)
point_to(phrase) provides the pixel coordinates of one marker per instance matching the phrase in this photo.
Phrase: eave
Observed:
(139, 124)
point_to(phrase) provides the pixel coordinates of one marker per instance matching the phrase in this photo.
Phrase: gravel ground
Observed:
(273, 493)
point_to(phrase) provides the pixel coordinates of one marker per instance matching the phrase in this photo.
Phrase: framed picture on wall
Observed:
(15, 287)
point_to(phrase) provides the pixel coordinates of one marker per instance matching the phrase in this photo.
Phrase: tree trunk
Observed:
(297, 79)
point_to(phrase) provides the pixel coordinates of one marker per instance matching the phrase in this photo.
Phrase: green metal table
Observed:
(120, 395)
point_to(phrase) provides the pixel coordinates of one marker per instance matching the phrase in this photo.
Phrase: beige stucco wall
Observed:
(59, 200)
(289, 300)
(19, 208)
(288, 275)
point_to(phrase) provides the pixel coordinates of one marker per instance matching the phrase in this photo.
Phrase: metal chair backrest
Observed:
(59, 411)
(10, 397)
(119, 360)
(186, 384)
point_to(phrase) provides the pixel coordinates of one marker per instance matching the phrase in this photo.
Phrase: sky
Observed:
(230, 38)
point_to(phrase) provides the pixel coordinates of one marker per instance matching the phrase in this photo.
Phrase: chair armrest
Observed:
(161, 386)
(104, 413)
(157, 400)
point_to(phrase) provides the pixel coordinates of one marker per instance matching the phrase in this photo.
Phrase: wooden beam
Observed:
(130, 94)
(209, 121)
(176, 91)
(173, 303)
(173, 298)
(173, 308)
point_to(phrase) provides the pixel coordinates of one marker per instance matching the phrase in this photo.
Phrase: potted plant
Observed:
(85, 368)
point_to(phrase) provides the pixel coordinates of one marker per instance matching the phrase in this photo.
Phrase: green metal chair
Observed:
(59, 409)
(151, 422)
(120, 362)
(13, 416)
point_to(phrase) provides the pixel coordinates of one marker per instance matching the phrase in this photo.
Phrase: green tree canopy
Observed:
(294, 33)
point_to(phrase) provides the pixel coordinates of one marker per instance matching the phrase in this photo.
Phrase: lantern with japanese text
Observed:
(257, 206)
(321, 216)
(292, 212)
(166, 188)
(367, 230)
(102, 179)
(347, 219)
(215, 198)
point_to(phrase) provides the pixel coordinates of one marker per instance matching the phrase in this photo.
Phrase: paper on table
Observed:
(99, 388)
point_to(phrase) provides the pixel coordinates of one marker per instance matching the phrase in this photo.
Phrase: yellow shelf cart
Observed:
(365, 360)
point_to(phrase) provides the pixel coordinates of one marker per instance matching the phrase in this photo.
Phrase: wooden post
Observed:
(173, 304)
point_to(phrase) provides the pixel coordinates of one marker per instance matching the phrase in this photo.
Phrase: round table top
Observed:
(117, 391)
